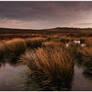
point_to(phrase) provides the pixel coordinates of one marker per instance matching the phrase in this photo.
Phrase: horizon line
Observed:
(45, 28)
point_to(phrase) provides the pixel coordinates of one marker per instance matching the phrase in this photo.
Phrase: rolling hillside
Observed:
(8, 33)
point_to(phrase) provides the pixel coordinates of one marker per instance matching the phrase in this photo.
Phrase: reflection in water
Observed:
(15, 76)
(11, 61)
(47, 86)
(12, 78)
(88, 76)
(80, 82)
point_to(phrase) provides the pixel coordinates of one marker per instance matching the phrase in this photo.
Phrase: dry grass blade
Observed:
(56, 64)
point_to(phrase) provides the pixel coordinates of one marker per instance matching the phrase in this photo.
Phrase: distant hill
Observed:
(24, 33)
(51, 29)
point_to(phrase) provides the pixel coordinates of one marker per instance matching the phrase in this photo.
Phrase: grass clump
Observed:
(53, 44)
(15, 47)
(52, 65)
(87, 51)
(35, 42)
(2, 51)
(12, 48)
(88, 41)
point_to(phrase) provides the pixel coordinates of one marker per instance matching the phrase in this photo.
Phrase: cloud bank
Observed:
(39, 14)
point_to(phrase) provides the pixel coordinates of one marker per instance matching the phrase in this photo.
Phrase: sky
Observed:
(44, 15)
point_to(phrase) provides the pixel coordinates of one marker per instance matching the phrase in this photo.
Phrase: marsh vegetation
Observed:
(52, 59)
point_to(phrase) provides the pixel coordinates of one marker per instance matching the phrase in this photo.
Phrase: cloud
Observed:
(42, 10)
(44, 14)
(13, 23)
(17, 23)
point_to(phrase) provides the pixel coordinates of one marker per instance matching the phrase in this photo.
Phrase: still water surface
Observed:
(17, 77)
(81, 82)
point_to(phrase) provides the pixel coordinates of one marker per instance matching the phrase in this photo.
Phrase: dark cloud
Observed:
(35, 10)
(61, 13)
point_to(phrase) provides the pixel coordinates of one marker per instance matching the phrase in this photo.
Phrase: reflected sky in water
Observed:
(16, 76)
(80, 81)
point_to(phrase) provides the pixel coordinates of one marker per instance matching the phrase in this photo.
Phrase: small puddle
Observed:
(80, 82)
(16, 78)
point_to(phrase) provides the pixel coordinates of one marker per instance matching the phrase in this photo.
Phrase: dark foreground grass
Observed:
(50, 66)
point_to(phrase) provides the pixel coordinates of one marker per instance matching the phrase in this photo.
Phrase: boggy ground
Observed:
(50, 57)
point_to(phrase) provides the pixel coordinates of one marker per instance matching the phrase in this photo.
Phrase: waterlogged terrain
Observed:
(81, 82)
(17, 77)
(46, 64)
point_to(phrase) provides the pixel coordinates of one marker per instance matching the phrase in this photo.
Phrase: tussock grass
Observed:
(15, 47)
(12, 48)
(88, 41)
(53, 44)
(87, 51)
(2, 51)
(35, 42)
(55, 65)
